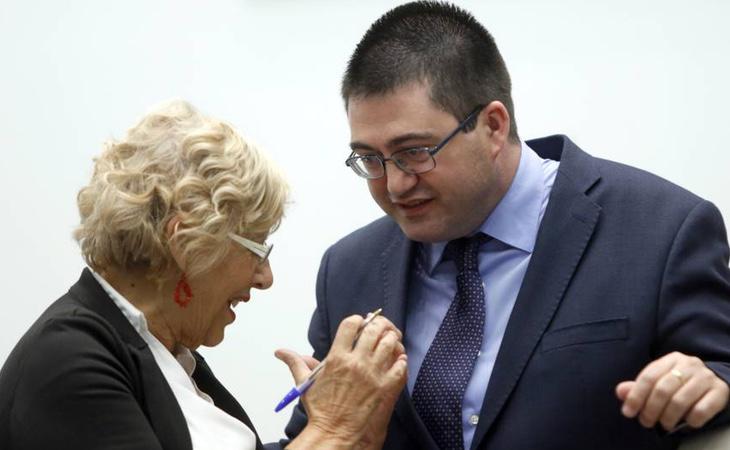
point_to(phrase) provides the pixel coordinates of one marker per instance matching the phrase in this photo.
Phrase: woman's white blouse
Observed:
(210, 427)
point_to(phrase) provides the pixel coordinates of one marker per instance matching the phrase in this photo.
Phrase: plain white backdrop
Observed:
(641, 82)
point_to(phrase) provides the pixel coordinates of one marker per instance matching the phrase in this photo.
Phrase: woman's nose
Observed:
(264, 277)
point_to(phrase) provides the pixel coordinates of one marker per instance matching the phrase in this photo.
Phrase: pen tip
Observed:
(288, 398)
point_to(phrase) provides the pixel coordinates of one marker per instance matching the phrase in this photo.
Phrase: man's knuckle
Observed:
(722, 388)
(663, 391)
(682, 399)
(695, 419)
(706, 375)
(648, 379)
(695, 362)
(715, 403)
(668, 421)
(702, 410)
(645, 420)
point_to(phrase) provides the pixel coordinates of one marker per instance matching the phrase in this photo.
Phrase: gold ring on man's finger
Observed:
(678, 374)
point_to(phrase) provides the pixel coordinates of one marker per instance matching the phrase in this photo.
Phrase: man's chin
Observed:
(420, 233)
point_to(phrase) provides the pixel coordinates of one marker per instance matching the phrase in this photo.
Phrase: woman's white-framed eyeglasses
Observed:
(261, 250)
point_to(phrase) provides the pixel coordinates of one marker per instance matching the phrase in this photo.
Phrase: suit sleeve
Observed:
(320, 338)
(73, 392)
(694, 312)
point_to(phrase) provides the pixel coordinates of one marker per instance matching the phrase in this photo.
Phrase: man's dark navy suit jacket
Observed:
(627, 267)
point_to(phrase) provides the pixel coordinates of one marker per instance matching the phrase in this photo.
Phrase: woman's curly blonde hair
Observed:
(176, 161)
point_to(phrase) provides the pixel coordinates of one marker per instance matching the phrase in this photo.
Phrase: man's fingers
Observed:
(661, 395)
(671, 389)
(639, 393)
(681, 402)
(623, 388)
(709, 405)
(298, 365)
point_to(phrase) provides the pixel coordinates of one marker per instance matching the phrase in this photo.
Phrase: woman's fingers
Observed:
(365, 373)
(346, 333)
(397, 375)
(386, 350)
(373, 344)
(370, 336)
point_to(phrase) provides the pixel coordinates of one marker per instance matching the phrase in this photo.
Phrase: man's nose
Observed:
(399, 182)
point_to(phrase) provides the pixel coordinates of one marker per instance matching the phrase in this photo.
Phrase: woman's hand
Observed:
(350, 404)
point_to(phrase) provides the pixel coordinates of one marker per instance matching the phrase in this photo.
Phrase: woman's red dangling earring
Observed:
(183, 287)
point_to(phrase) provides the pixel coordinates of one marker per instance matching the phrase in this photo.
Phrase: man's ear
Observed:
(171, 230)
(497, 123)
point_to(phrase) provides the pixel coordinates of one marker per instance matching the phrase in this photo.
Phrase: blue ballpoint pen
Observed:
(298, 391)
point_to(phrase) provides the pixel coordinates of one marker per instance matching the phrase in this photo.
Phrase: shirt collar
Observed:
(133, 315)
(516, 218)
(136, 317)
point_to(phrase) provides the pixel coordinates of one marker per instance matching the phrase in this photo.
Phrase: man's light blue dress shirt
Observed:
(502, 264)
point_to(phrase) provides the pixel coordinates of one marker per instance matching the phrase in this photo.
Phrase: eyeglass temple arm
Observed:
(475, 112)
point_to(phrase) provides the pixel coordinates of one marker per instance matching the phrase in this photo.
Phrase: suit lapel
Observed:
(564, 234)
(395, 263)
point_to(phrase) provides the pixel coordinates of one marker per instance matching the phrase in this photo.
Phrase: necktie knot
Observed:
(465, 251)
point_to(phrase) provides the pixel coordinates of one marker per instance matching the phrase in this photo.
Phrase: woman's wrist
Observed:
(316, 437)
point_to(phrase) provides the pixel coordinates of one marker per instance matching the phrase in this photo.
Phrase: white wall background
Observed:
(641, 82)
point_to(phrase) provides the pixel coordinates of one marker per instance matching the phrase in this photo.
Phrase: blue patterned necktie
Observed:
(439, 390)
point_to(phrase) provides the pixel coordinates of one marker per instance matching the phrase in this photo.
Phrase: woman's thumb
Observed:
(296, 363)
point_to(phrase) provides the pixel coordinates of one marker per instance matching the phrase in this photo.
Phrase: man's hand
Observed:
(673, 388)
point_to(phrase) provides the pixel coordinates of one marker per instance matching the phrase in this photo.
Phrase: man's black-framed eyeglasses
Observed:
(410, 160)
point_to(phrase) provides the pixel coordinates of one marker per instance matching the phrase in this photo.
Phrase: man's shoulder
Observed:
(611, 178)
(640, 186)
(375, 236)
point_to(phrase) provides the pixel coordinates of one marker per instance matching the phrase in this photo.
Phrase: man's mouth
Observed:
(413, 206)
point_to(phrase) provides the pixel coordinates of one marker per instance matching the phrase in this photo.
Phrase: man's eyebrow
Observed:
(357, 145)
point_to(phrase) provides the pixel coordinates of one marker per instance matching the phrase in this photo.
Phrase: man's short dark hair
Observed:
(437, 43)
